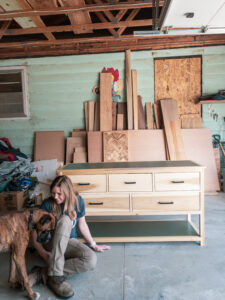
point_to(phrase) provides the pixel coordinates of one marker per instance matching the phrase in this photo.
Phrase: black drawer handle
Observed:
(166, 202)
(95, 203)
(81, 183)
(130, 182)
(177, 181)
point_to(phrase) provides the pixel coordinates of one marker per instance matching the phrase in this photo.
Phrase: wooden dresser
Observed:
(141, 201)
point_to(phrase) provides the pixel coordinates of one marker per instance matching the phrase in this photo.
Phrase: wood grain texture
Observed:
(105, 102)
(172, 129)
(114, 107)
(97, 116)
(49, 145)
(194, 122)
(146, 145)
(148, 106)
(198, 147)
(135, 98)
(71, 144)
(91, 114)
(115, 146)
(180, 79)
(141, 114)
(122, 109)
(129, 90)
(94, 140)
(119, 122)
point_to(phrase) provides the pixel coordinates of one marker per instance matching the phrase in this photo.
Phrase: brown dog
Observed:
(14, 236)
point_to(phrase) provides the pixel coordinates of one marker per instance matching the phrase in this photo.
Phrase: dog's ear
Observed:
(47, 218)
(53, 221)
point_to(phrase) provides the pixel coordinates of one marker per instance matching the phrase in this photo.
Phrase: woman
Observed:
(68, 255)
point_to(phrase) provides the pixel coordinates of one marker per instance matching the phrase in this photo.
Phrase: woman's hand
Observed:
(45, 255)
(101, 248)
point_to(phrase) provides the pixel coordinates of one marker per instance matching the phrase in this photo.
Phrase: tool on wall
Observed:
(216, 138)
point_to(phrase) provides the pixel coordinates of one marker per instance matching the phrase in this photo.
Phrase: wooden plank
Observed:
(141, 114)
(198, 147)
(194, 122)
(172, 129)
(115, 146)
(95, 151)
(148, 106)
(120, 121)
(156, 115)
(97, 116)
(105, 102)
(91, 113)
(122, 109)
(78, 17)
(86, 115)
(135, 98)
(129, 90)
(82, 133)
(71, 144)
(217, 159)
(180, 79)
(114, 115)
(49, 145)
(146, 145)
(79, 157)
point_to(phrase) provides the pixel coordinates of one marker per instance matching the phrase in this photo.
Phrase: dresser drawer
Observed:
(168, 203)
(89, 183)
(130, 182)
(107, 203)
(177, 181)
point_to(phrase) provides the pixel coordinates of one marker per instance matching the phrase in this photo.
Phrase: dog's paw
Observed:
(37, 296)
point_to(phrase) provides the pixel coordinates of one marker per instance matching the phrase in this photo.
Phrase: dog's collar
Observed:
(31, 221)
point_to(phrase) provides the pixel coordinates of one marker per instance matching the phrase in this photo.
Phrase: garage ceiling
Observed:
(30, 28)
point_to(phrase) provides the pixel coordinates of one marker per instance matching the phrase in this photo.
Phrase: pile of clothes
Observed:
(15, 168)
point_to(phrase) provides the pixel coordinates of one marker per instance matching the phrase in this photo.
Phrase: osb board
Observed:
(94, 140)
(172, 129)
(146, 145)
(71, 144)
(105, 102)
(198, 147)
(180, 79)
(194, 122)
(49, 145)
(115, 146)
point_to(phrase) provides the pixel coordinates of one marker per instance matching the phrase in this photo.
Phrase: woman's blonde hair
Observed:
(71, 197)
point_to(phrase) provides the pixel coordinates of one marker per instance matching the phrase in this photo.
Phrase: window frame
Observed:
(26, 109)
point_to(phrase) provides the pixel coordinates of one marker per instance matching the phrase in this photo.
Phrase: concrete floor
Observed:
(153, 271)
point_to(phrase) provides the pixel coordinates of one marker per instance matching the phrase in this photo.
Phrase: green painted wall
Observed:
(58, 86)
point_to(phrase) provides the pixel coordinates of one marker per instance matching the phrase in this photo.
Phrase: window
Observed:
(13, 93)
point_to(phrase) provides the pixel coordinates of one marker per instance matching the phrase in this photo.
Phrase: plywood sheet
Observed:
(95, 150)
(71, 144)
(129, 90)
(49, 145)
(180, 79)
(198, 147)
(146, 145)
(194, 122)
(141, 114)
(115, 146)
(105, 102)
(122, 109)
(79, 157)
(172, 129)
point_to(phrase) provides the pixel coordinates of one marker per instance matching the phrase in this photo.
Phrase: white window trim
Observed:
(26, 108)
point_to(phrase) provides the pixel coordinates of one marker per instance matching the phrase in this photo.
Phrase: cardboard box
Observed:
(13, 201)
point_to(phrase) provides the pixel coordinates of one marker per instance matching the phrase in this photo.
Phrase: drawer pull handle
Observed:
(177, 181)
(166, 202)
(130, 182)
(95, 203)
(85, 183)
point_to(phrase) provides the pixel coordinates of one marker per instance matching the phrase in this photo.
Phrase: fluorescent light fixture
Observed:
(199, 31)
